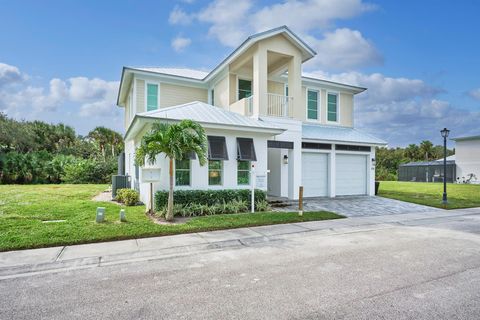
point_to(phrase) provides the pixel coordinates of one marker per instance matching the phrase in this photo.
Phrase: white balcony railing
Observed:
(279, 105)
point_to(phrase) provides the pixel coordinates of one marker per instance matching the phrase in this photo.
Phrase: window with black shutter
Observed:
(246, 149)
(217, 148)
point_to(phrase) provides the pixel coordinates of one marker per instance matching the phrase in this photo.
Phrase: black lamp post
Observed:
(445, 133)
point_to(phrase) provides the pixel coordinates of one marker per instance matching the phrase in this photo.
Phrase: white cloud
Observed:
(180, 17)
(10, 74)
(304, 16)
(229, 22)
(343, 49)
(93, 97)
(180, 43)
(402, 110)
(475, 94)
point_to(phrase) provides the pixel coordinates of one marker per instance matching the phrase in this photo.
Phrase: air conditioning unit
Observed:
(120, 182)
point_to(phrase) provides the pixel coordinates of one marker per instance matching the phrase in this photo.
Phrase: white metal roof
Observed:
(449, 158)
(338, 134)
(207, 114)
(179, 72)
(466, 138)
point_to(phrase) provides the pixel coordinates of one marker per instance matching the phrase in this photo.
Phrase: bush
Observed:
(208, 197)
(129, 197)
(194, 210)
(89, 171)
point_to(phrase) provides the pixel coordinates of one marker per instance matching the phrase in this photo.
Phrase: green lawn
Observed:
(23, 208)
(430, 194)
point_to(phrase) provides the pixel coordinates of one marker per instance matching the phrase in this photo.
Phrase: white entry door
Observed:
(351, 174)
(315, 174)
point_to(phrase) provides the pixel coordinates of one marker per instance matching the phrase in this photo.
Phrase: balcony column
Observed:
(295, 86)
(260, 81)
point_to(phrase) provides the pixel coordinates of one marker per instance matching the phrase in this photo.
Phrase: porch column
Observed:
(295, 86)
(259, 85)
(332, 173)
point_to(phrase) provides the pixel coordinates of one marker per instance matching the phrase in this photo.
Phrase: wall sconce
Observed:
(285, 159)
(373, 161)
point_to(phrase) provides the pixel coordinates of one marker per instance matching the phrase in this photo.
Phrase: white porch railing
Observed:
(279, 105)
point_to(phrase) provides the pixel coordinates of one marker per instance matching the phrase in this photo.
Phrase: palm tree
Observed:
(426, 147)
(176, 141)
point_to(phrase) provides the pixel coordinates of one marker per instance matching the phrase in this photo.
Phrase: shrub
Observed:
(194, 210)
(208, 197)
(262, 206)
(129, 197)
(89, 171)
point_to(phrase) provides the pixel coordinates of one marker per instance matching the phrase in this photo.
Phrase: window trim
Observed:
(338, 107)
(238, 85)
(243, 170)
(319, 103)
(189, 176)
(146, 94)
(222, 173)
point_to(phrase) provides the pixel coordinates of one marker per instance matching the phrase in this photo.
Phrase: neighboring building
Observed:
(467, 158)
(256, 108)
(427, 171)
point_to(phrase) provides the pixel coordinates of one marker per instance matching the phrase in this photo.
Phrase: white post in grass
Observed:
(253, 188)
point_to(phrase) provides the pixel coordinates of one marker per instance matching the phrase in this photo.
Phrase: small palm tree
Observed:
(176, 141)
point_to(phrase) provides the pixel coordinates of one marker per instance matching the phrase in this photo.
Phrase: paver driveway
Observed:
(358, 206)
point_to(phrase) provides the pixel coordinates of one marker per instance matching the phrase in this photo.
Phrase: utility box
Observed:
(120, 182)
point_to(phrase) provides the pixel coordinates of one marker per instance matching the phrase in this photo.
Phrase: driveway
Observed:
(359, 206)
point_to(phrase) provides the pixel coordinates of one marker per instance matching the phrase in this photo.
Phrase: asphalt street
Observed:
(419, 269)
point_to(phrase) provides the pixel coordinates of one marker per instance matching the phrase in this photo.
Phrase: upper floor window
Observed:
(244, 89)
(212, 97)
(332, 107)
(312, 105)
(182, 172)
(152, 96)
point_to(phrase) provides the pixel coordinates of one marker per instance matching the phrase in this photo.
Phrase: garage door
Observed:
(314, 174)
(351, 174)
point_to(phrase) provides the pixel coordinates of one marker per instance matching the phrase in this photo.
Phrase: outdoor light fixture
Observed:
(285, 159)
(373, 161)
(445, 133)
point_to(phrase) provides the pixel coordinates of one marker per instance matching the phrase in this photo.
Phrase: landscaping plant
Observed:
(175, 141)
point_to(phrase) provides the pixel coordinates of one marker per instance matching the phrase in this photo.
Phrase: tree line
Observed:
(389, 159)
(39, 152)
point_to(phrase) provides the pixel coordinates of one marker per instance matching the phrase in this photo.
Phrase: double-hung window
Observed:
(152, 96)
(182, 172)
(312, 105)
(332, 107)
(245, 154)
(244, 89)
(215, 172)
(217, 153)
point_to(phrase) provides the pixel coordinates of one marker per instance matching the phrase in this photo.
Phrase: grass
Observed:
(23, 208)
(430, 194)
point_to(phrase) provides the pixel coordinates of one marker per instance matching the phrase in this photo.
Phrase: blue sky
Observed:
(62, 60)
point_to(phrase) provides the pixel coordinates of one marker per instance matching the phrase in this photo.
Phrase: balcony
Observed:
(277, 106)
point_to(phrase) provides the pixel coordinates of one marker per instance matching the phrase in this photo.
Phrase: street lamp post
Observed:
(445, 133)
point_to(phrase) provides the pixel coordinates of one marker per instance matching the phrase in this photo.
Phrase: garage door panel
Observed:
(315, 174)
(351, 174)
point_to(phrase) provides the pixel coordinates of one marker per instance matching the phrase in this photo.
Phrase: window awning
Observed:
(190, 155)
(217, 148)
(246, 149)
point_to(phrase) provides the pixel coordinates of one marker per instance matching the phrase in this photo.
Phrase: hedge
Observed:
(207, 197)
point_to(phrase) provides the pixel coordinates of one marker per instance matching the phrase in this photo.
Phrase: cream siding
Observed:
(222, 98)
(233, 88)
(140, 93)
(276, 87)
(172, 95)
(346, 109)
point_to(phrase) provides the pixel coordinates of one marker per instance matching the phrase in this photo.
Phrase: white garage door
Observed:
(314, 174)
(351, 174)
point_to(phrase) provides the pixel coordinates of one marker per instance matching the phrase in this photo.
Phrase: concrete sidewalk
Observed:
(29, 262)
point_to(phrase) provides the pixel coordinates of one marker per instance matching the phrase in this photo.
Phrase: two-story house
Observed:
(258, 111)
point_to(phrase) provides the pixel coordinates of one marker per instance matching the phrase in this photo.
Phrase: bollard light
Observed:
(100, 214)
(123, 218)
